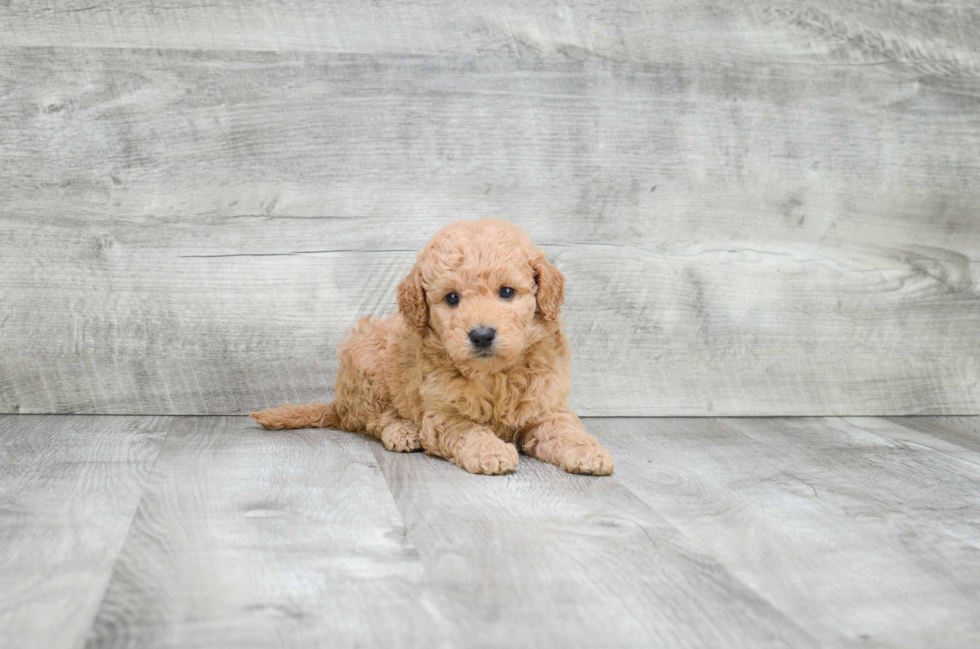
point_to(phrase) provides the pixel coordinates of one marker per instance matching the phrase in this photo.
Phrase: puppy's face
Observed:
(487, 292)
(484, 312)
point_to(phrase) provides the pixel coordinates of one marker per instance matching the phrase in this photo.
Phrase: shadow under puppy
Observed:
(472, 363)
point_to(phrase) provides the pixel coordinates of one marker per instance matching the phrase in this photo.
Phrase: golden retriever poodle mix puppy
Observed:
(473, 365)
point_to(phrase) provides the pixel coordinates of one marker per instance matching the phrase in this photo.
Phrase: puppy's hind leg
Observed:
(397, 434)
(401, 436)
(310, 415)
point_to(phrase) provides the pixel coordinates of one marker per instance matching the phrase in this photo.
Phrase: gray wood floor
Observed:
(209, 532)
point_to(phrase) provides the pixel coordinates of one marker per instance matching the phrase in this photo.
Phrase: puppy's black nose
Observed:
(482, 337)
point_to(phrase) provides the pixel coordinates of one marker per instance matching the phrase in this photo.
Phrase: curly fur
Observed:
(414, 380)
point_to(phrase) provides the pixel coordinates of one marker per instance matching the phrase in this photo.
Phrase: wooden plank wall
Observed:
(761, 208)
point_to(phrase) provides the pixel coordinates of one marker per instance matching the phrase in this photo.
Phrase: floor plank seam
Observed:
(849, 421)
(935, 528)
(713, 556)
(129, 527)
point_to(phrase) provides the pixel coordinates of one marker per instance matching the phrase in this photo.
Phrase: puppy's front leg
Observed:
(560, 439)
(467, 445)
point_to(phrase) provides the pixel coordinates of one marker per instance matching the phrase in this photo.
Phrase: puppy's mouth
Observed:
(484, 353)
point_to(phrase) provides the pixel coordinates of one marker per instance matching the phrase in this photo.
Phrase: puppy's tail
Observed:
(310, 415)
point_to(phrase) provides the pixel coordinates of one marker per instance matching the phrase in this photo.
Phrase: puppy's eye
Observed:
(506, 292)
(452, 299)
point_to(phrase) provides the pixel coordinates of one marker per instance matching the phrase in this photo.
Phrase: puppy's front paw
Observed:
(401, 437)
(486, 454)
(587, 458)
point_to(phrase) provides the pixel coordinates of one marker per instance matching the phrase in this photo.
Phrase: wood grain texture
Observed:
(69, 487)
(545, 558)
(860, 530)
(762, 209)
(935, 36)
(247, 538)
(961, 431)
(712, 532)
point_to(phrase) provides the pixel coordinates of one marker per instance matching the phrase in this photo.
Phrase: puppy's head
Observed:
(484, 290)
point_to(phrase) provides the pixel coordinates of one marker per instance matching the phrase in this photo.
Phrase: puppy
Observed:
(473, 365)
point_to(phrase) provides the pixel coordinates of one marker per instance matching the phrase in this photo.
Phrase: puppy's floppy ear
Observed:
(551, 288)
(411, 300)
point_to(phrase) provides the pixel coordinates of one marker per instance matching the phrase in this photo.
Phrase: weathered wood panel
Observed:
(767, 209)
(69, 487)
(939, 36)
(859, 530)
(143, 328)
(249, 539)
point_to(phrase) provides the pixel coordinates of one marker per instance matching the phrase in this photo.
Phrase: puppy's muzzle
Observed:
(482, 337)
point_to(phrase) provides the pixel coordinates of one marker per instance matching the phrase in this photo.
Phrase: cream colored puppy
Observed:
(472, 363)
